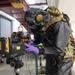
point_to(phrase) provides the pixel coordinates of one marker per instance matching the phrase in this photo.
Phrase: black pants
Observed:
(57, 65)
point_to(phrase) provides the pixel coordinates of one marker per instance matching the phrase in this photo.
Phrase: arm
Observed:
(61, 36)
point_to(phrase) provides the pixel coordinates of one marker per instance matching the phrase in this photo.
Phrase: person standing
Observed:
(52, 29)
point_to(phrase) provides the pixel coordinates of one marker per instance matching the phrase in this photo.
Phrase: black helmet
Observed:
(36, 17)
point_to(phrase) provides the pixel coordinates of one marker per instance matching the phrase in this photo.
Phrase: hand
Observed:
(31, 48)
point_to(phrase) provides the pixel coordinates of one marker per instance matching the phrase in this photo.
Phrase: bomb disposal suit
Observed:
(52, 29)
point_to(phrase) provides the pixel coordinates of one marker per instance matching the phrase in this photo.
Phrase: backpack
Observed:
(56, 16)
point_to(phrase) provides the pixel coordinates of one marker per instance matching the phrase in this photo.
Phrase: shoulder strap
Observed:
(51, 22)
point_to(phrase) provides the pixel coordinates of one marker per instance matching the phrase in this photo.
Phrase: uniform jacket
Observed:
(55, 38)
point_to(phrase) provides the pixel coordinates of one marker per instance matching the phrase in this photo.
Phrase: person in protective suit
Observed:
(54, 37)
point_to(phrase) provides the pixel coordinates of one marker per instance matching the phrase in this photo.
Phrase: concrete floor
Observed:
(28, 69)
(7, 70)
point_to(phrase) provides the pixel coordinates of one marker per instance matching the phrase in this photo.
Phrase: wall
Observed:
(73, 28)
(53, 2)
(8, 24)
(15, 26)
(66, 6)
(5, 27)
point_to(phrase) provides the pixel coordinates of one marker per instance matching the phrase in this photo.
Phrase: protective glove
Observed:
(31, 48)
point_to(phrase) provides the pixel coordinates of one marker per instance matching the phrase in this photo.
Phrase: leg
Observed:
(64, 66)
(70, 73)
(49, 65)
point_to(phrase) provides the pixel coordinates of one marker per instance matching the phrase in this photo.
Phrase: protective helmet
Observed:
(36, 17)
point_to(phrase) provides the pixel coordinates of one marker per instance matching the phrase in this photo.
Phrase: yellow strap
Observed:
(0, 46)
(54, 20)
(7, 45)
